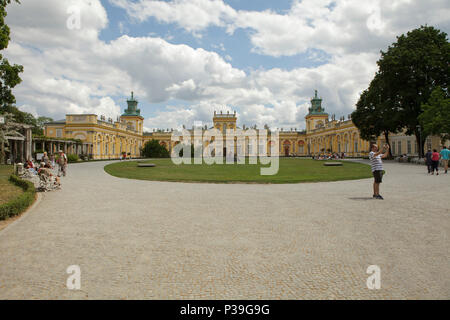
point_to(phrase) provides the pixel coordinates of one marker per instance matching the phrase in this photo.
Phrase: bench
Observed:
(332, 164)
(146, 165)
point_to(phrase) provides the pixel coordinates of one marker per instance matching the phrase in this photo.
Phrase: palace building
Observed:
(107, 139)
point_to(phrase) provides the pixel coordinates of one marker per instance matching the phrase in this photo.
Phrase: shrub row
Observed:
(71, 158)
(22, 202)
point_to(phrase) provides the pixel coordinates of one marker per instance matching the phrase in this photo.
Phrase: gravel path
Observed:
(160, 240)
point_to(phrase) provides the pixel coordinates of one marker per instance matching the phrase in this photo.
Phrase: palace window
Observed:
(399, 148)
(393, 146)
(409, 147)
(59, 133)
(262, 147)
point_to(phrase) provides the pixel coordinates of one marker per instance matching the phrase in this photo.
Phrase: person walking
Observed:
(445, 156)
(46, 159)
(435, 162)
(428, 160)
(62, 163)
(376, 164)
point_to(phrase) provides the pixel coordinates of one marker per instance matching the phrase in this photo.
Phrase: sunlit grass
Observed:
(8, 191)
(291, 171)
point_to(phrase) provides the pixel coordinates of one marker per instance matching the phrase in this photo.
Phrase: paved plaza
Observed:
(160, 240)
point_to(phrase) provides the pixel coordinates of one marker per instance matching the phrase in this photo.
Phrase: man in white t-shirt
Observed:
(376, 164)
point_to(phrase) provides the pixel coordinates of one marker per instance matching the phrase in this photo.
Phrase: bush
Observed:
(72, 158)
(152, 149)
(22, 202)
(193, 150)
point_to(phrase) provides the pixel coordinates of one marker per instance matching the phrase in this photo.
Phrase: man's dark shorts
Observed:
(378, 175)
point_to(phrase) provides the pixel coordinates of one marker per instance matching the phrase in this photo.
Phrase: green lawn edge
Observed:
(116, 170)
(22, 202)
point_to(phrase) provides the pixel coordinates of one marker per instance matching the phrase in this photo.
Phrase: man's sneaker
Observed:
(379, 197)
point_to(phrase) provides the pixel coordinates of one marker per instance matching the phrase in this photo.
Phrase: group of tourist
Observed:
(47, 167)
(432, 160)
(330, 156)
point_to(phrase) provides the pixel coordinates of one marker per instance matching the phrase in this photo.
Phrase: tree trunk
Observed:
(2, 153)
(386, 137)
(420, 140)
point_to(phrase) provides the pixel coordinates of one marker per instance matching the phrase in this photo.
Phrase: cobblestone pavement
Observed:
(160, 240)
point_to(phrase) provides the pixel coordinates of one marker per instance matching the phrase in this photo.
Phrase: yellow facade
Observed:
(103, 139)
(321, 135)
(108, 139)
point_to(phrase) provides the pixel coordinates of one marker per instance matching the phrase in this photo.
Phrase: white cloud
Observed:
(192, 15)
(335, 26)
(165, 70)
(72, 71)
(349, 27)
(67, 75)
(177, 116)
(219, 46)
(122, 27)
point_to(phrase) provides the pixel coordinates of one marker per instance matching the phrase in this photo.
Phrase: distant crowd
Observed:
(330, 156)
(432, 159)
(49, 170)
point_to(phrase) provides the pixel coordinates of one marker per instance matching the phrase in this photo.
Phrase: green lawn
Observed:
(8, 191)
(291, 171)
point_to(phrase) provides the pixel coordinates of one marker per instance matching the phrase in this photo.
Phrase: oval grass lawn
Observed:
(291, 170)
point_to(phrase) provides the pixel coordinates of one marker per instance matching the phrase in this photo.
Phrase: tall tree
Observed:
(9, 74)
(435, 118)
(374, 115)
(410, 70)
(40, 123)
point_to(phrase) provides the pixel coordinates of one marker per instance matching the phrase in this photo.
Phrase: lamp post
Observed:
(419, 129)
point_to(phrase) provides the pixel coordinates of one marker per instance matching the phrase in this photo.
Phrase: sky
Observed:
(184, 59)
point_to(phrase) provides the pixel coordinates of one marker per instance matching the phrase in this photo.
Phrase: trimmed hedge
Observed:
(71, 158)
(22, 202)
